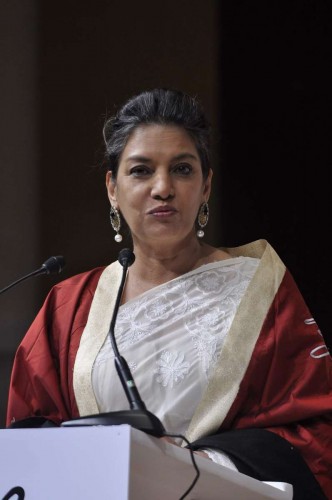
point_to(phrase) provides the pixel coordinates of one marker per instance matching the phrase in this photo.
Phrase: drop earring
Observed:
(116, 223)
(202, 218)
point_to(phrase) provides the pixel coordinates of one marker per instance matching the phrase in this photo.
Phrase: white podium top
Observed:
(116, 463)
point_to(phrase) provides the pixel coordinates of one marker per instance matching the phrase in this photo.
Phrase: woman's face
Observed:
(159, 186)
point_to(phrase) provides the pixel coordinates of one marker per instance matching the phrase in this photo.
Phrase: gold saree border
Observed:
(93, 337)
(240, 341)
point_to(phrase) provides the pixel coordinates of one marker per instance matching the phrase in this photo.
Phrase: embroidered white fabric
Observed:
(171, 337)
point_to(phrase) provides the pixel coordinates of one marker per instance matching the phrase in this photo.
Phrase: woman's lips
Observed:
(162, 211)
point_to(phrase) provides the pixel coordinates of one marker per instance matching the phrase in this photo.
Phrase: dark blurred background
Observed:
(263, 73)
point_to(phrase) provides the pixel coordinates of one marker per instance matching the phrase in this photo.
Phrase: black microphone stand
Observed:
(53, 265)
(138, 416)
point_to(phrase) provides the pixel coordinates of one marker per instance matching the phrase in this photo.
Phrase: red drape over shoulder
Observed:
(287, 388)
(42, 375)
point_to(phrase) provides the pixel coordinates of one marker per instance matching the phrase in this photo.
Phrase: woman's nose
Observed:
(162, 186)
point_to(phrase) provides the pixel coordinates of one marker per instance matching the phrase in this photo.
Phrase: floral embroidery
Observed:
(158, 309)
(171, 368)
(131, 326)
(208, 326)
(209, 282)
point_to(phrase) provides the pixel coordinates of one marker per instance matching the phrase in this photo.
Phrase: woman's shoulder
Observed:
(255, 249)
(76, 287)
(81, 279)
(213, 254)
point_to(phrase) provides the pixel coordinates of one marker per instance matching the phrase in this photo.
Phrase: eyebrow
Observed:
(181, 156)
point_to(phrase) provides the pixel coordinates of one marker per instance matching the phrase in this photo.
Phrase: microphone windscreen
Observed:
(126, 257)
(54, 265)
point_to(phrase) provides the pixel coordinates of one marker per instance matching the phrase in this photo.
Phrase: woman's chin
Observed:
(167, 236)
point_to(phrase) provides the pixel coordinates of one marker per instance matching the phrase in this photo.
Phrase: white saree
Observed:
(189, 373)
(171, 337)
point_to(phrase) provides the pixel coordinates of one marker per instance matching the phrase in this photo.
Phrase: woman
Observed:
(220, 342)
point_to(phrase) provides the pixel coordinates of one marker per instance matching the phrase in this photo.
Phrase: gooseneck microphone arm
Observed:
(53, 265)
(126, 259)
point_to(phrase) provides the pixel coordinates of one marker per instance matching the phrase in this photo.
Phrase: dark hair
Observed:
(158, 106)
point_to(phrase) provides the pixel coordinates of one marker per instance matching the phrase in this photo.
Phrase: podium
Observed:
(115, 463)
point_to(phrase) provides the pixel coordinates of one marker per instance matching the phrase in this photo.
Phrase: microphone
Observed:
(53, 265)
(126, 259)
(138, 416)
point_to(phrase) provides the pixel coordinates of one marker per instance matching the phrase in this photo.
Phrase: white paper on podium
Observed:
(116, 463)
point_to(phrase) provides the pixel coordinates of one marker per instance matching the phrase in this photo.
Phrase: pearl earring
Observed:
(202, 218)
(116, 223)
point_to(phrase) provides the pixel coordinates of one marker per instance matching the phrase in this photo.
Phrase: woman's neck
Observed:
(162, 264)
(153, 267)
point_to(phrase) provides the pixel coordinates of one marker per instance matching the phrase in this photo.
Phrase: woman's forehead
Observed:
(153, 138)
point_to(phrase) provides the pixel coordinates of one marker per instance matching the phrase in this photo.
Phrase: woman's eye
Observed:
(183, 169)
(139, 171)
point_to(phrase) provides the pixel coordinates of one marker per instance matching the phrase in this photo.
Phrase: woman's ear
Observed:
(207, 185)
(111, 188)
